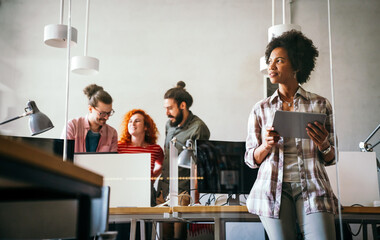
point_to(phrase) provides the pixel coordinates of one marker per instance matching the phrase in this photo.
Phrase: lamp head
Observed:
(38, 122)
(184, 158)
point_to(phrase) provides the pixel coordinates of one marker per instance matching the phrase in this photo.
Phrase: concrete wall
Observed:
(146, 46)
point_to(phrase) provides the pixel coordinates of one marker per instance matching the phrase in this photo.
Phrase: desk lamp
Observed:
(365, 146)
(186, 159)
(173, 174)
(38, 122)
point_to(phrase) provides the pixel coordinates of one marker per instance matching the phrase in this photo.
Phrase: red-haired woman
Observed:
(139, 135)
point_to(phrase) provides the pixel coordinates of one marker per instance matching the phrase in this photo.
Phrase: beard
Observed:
(101, 121)
(178, 119)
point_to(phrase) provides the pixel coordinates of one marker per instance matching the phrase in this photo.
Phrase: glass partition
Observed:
(146, 47)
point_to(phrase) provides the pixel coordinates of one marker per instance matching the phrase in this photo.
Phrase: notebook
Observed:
(128, 176)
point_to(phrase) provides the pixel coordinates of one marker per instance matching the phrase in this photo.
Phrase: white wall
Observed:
(146, 46)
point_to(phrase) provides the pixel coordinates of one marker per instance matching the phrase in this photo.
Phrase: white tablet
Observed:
(293, 124)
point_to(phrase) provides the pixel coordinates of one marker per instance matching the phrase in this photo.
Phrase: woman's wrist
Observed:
(267, 148)
(324, 146)
(260, 153)
(327, 150)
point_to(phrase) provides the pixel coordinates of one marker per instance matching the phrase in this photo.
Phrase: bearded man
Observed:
(182, 125)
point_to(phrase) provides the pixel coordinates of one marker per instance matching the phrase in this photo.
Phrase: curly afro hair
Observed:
(301, 52)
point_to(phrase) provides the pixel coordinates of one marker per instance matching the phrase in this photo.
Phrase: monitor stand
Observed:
(233, 200)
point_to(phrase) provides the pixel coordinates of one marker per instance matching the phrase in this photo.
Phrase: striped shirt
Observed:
(265, 196)
(156, 153)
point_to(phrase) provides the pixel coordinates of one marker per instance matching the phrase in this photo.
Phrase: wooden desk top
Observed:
(140, 210)
(219, 209)
(28, 155)
(210, 209)
(370, 210)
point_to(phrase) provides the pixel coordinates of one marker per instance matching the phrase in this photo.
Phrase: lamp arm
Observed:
(175, 141)
(15, 118)
(374, 131)
(365, 146)
(375, 145)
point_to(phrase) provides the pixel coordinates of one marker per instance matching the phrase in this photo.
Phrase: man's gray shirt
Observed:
(194, 128)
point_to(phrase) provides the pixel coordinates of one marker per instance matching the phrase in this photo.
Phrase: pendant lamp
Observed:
(84, 64)
(55, 35)
(277, 30)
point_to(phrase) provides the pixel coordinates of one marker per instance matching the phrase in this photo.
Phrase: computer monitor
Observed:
(221, 167)
(50, 145)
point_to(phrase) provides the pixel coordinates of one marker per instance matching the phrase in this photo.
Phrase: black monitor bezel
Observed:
(55, 145)
(247, 175)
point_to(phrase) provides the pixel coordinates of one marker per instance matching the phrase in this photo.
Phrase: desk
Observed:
(28, 174)
(362, 215)
(222, 214)
(142, 214)
(217, 214)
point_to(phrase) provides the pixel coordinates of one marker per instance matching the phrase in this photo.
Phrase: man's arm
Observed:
(114, 141)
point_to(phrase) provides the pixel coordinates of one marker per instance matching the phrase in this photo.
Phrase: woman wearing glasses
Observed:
(91, 133)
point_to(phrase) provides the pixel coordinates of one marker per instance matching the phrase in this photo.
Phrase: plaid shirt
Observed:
(265, 196)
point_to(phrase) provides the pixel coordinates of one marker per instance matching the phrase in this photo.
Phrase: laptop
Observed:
(128, 176)
(358, 180)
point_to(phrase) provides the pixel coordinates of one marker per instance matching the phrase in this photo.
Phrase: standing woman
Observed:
(91, 133)
(139, 135)
(292, 186)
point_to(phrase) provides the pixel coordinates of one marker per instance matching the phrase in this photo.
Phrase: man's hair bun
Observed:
(181, 84)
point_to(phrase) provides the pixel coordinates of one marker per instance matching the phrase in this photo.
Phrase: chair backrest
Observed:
(100, 212)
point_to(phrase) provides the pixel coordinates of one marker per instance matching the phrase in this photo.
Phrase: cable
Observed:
(210, 199)
(357, 205)
(216, 200)
(350, 230)
(245, 196)
(203, 196)
(228, 198)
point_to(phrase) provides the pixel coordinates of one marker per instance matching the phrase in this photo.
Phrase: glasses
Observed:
(104, 114)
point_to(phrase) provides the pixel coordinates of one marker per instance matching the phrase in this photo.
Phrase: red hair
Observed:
(151, 133)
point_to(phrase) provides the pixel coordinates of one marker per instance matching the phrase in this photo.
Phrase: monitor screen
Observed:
(50, 145)
(221, 168)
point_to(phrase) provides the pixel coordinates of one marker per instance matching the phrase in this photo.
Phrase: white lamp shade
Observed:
(263, 65)
(55, 35)
(277, 30)
(84, 65)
